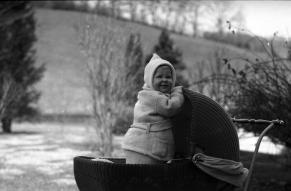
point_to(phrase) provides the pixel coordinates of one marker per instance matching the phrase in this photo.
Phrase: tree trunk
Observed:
(195, 22)
(6, 125)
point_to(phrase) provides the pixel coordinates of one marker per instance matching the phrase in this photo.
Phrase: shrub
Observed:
(263, 91)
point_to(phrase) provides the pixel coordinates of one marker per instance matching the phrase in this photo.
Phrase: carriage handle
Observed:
(271, 124)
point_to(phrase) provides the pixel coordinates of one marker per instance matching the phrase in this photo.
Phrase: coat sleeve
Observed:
(169, 106)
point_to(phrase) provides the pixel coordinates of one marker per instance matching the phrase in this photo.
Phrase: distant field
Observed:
(64, 84)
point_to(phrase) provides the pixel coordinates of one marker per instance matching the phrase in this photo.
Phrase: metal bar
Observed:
(255, 154)
(259, 121)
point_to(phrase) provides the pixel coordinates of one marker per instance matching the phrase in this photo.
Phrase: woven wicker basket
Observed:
(202, 122)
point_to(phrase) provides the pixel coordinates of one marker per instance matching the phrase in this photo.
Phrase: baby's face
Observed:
(163, 79)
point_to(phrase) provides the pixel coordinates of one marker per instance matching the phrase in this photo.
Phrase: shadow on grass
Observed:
(271, 172)
(21, 133)
(64, 118)
(246, 157)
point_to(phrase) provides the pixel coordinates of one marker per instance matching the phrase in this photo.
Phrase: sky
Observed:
(264, 18)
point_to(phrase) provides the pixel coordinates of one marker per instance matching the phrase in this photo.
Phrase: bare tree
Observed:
(180, 20)
(167, 9)
(153, 8)
(212, 78)
(113, 8)
(133, 7)
(196, 73)
(218, 12)
(103, 41)
(193, 9)
(221, 85)
(142, 12)
(195, 20)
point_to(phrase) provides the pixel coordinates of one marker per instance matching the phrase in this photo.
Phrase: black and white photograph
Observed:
(153, 95)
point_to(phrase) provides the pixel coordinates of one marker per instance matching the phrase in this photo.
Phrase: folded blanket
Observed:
(229, 171)
(101, 160)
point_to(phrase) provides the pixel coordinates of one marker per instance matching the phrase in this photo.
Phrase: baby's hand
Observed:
(177, 89)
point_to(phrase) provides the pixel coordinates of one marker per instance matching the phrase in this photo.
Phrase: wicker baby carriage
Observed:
(202, 123)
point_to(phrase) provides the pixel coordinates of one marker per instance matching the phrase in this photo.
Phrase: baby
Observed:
(150, 138)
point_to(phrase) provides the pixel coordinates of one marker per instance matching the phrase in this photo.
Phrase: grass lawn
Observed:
(271, 172)
(40, 156)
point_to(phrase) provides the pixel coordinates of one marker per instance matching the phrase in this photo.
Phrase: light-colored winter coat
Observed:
(151, 133)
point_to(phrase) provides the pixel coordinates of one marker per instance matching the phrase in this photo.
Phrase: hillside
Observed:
(64, 84)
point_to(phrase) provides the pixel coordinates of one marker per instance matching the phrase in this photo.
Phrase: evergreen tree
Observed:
(166, 50)
(289, 52)
(134, 66)
(17, 57)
